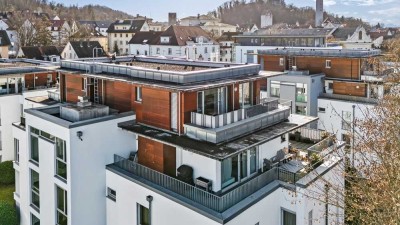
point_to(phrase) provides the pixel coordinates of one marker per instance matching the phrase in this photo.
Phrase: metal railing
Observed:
(323, 53)
(312, 134)
(218, 203)
(266, 105)
(168, 76)
(234, 130)
(324, 144)
(349, 98)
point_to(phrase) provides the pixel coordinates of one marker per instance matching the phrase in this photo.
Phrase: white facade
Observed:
(11, 110)
(226, 51)
(216, 29)
(121, 38)
(193, 51)
(69, 52)
(86, 157)
(268, 210)
(336, 116)
(358, 40)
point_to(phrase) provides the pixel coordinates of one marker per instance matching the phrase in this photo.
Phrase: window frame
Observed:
(140, 209)
(34, 190)
(63, 212)
(62, 159)
(111, 195)
(16, 150)
(328, 64)
(139, 94)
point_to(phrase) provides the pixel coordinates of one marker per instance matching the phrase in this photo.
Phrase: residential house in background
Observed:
(248, 44)
(60, 30)
(158, 26)
(351, 38)
(226, 46)
(216, 29)
(46, 53)
(82, 49)
(197, 20)
(4, 44)
(248, 28)
(121, 32)
(177, 41)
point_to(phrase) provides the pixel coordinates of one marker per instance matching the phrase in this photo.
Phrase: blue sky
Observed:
(384, 11)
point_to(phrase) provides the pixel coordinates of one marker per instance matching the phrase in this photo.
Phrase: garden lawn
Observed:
(7, 193)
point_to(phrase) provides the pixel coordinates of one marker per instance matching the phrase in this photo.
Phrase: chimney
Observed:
(171, 19)
(0, 40)
(198, 16)
(319, 13)
(137, 16)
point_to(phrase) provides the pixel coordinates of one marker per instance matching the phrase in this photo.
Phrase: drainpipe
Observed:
(354, 110)
(149, 198)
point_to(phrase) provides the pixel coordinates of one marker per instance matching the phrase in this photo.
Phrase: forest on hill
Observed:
(250, 11)
(87, 12)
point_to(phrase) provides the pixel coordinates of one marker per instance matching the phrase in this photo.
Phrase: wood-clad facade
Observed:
(43, 79)
(157, 156)
(340, 68)
(350, 88)
(155, 108)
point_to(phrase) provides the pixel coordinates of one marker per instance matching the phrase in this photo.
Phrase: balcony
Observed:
(213, 201)
(256, 119)
(221, 120)
(349, 98)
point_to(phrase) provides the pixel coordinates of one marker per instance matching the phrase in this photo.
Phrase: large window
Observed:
(245, 95)
(35, 190)
(143, 215)
(34, 220)
(61, 213)
(212, 101)
(275, 89)
(301, 92)
(238, 167)
(34, 146)
(288, 218)
(61, 158)
(16, 150)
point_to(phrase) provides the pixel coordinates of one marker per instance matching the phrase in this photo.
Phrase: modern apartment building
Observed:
(24, 84)
(153, 138)
(348, 77)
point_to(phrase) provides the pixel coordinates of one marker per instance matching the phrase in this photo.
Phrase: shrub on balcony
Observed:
(316, 160)
(7, 173)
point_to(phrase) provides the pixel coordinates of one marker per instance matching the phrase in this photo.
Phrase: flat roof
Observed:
(21, 66)
(45, 100)
(219, 151)
(52, 114)
(158, 69)
(340, 53)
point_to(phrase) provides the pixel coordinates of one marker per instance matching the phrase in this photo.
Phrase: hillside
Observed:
(88, 12)
(245, 12)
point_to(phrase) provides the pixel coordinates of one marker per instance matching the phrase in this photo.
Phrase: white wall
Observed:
(331, 119)
(202, 166)
(268, 150)
(10, 112)
(164, 211)
(88, 159)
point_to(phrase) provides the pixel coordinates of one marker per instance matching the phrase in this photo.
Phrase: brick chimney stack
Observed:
(319, 13)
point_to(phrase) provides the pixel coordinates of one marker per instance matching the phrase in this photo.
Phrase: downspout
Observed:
(149, 198)
(179, 113)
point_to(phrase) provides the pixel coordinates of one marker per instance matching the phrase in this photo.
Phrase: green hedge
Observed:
(8, 214)
(7, 173)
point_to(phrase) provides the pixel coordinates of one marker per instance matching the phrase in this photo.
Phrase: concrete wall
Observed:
(202, 166)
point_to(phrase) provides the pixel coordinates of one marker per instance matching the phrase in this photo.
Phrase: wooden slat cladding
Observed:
(157, 156)
(344, 68)
(271, 63)
(74, 84)
(256, 92)
(41, 79)
(151, 154)
(118, 95)
(348, 88)
(156, 109)
(189, 104)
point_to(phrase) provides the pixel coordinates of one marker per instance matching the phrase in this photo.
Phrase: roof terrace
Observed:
(175, 71)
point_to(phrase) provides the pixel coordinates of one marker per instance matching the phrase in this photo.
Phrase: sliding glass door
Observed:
(239, 167)
(212, 102)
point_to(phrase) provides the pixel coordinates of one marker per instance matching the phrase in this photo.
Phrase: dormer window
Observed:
(164, 40)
